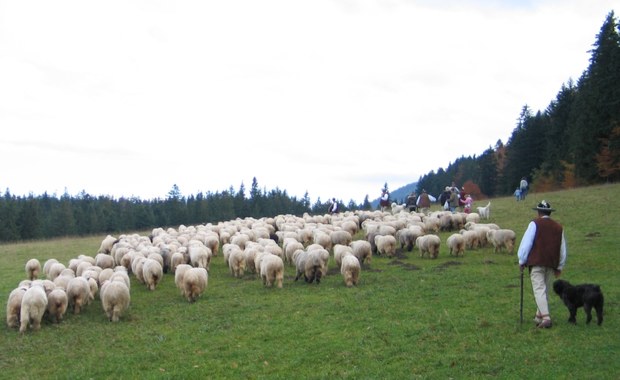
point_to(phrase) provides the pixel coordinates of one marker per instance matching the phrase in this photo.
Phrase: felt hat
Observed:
(543, 206)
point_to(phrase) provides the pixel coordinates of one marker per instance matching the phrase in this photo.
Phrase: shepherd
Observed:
(385, 199)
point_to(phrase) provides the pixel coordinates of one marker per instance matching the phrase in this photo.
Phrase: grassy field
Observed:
(448, 318)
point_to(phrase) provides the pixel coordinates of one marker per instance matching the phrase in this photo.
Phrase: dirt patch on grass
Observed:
(448, 264)
(405, 266)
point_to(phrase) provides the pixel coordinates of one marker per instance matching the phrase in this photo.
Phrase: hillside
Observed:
(399, 195)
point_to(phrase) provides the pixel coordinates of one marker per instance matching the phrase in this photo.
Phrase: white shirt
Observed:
(528, 241)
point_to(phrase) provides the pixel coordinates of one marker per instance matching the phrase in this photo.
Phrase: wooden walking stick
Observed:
(521, 304)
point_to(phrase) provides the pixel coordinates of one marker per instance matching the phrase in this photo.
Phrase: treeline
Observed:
(45, 216)
(574, 142)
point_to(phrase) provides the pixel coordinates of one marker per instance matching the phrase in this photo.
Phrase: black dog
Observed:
(575, 296)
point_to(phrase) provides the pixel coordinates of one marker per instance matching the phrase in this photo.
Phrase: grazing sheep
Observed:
(236, 262)
(199, 256)
(34, 304)
(406, 237)
(341, 237)
(350, 270)
(152, 272)
(194, 283)
(178, 276)
(339, 252)
(78, 293)
(176, 259)
(54, 270)
(502, 238)
(272, 270)
(472, 239)
(103, 261)
(33, 269)
(309, 264)
(289, 248)
(106, 244)
(57, 303)
(386, 245)
(456, 244)
(48, 265)
(14, 305)
(115, 299)
(362, 250)
(429, 244)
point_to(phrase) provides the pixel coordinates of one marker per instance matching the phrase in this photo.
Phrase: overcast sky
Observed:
(334, 98)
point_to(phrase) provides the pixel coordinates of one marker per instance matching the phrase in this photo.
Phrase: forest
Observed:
(574, 142)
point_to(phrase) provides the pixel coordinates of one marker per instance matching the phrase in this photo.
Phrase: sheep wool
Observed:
(194, 283)
(350, 270)
(33, 269)
(34, 304)
(57, 303)
(456, 244)
(115, 299)
(429, 244)
(272, 270)
(14, 305)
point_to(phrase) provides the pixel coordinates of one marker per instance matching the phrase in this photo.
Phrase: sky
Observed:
(333, 98)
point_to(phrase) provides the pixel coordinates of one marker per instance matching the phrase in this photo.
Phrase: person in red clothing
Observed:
(543, 252)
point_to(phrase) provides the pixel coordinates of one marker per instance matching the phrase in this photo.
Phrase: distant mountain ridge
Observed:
(399, 195)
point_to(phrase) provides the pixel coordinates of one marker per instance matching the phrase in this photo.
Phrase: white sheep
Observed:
(47, 266)
(308, 264)
(290, 247)
(33, 269)
(115, 299)
(350, 270)
(106, 244)
(194, 283)
(272, 270)
(78, 293)
(386, 245)
(104, 260)
(362, 250)
(472, 238)
(429, 244)
(341, 237)
(57, 303)
(406, 237)
(178, 276)
(14, 305)
(339, 252)
(34, 304)
(152, 272)
(502, 238)
(176, 259)
(236, 262)
(199, 256)
(456, 244)
(54, 270)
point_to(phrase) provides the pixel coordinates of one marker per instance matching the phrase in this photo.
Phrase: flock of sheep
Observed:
(263, 247)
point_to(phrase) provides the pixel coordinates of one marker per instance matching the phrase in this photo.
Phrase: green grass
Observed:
(408, 318)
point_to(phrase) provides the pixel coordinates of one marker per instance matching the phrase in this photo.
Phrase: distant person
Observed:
(444, 197)
(462, 197)
(523, 187)
(424, 202)
(469, 201)
(333, 207)
(453, 201)
(384, 201)
(543, 252)
(411, 202)
(517, 194)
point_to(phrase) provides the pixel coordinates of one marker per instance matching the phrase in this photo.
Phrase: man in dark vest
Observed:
(543, 252)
